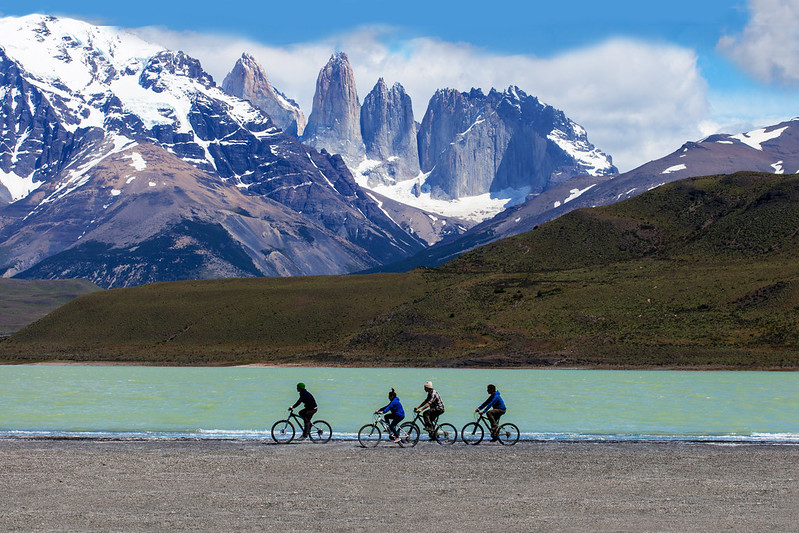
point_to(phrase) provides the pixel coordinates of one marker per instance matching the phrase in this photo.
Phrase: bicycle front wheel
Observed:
(369, 435)
(472, 433)
(446, 434)
(409, 434)
(508, 434)
(283, 432)
(321, 431)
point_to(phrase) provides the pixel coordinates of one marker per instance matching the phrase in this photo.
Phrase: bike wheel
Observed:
(369, 435)
(472, 433)
(321, 431)
(508, 434)
(446, 434)
(409, 433)
(283, 432)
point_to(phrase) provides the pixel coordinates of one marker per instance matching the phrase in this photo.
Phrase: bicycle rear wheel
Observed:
(446, 434)
(320, 431)
(283, 431)
(409, 434)
(508, 434)
(369, 435)
(472, 433)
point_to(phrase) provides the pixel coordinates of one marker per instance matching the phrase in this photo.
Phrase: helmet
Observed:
(429, 385)
(300, 385)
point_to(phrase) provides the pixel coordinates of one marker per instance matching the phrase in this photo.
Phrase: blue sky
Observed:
(642, 77)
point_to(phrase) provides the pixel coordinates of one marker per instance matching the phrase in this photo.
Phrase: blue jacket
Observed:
(395, 407)
(493, 402)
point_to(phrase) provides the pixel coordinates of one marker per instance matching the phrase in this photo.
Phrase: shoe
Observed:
(300, 439)
(397, 440)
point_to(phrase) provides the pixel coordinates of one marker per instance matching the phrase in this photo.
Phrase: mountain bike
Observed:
(283, 431)
(370, 434)
(443, 433)
(473, 432)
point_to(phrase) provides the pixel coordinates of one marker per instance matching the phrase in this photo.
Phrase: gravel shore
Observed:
(96, 485)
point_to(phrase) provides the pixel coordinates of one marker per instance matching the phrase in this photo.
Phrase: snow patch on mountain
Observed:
(18, 186)
(136, 161)
(473, 208)
(675, 168)
(584, 153)
(756, 138)
(574, 194)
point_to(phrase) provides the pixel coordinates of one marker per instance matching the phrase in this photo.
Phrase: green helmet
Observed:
(300, 385)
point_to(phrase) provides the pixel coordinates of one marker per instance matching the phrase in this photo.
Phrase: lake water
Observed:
(243, 402)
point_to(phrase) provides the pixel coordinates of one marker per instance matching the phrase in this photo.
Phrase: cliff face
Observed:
(389, 134)
(248, 81)
(335, 121)
(472, 143)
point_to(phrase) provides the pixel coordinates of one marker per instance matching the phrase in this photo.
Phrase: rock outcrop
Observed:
(335, 121)
(248, 81)
(389, 134)
(472, 144)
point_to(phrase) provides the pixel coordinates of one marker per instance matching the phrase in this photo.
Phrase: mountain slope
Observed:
(22, 302)
(154, 217)
(774, 149)
(75, 94)
(702, 273)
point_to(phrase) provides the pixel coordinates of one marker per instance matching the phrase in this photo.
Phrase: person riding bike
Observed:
(436, 408)
(308, 410)
(494, 409)
(397, 413)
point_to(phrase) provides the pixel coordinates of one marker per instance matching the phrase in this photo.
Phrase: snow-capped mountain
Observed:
(249, 82)
(773, 149)
(472, 156)
(76, 96)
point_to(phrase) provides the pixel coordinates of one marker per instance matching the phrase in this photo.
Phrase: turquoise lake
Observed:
(243, 402)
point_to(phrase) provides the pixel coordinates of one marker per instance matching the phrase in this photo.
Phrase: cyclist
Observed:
(309, 408)
(436, 408)
(494, 408)
(396, 416)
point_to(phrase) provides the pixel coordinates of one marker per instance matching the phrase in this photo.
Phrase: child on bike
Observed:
(436, 408)
(494, 408)
(397, 413)
(308, 410)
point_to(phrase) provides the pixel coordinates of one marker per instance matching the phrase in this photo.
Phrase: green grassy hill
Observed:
(22, 302)
(698, 273)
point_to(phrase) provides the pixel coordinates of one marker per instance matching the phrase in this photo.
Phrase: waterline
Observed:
(546, 405)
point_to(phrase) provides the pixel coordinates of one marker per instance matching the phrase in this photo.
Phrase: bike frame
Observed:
(418, 416)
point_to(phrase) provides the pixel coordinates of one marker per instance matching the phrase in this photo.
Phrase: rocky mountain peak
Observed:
(248, 80)
(389, 134)
(473, 143)
(335, 120)
(175, 64)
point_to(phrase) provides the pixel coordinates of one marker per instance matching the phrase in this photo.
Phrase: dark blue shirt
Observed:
(307, 399)
(493, 402)
(395, 407)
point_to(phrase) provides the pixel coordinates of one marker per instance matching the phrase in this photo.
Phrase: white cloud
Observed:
(637, 100)
(768, 47)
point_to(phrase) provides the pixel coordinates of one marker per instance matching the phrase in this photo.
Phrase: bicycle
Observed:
(283, 431)
(370, 434)
(473, 432)
(443, 433)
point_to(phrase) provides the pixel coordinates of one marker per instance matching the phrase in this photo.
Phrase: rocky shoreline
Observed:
(91, 485)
